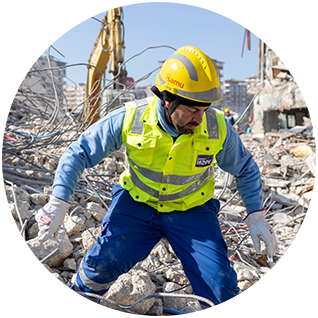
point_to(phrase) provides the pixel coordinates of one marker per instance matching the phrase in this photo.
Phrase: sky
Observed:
(215, 27)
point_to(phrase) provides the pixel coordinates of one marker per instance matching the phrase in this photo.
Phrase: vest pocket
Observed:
(141, 148)
(204, 153)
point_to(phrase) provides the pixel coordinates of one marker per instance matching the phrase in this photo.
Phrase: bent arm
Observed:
(95, 144)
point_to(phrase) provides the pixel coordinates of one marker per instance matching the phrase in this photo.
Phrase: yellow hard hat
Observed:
(226, 110)
(190, 74)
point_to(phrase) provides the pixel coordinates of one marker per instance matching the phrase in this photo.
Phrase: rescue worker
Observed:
(172, 142)
(229, 117)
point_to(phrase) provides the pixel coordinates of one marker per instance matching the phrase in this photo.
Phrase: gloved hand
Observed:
(51, 217)
(260, 229)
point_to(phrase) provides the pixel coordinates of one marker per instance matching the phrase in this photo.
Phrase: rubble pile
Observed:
(287, 163)
(290, 199)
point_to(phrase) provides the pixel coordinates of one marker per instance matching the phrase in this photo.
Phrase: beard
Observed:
(184, 128)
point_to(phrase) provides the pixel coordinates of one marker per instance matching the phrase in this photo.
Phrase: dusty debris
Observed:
(287, 179)
(37, 134)
(290, 198)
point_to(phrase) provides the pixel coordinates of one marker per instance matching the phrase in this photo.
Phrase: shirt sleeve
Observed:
(235, 159)
(94, 144)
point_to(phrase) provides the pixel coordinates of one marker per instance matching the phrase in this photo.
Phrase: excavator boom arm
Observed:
(108, 46)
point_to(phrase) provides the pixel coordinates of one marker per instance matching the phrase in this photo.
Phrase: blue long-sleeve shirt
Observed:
(105, 137)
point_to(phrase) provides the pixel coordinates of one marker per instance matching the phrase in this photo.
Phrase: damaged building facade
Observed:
(288, 91)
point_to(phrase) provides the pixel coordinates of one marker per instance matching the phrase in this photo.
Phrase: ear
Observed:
(168, 104)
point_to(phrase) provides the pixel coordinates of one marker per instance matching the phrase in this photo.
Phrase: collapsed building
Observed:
(289, 90)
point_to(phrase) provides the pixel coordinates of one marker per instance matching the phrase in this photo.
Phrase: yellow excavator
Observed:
(109, 45)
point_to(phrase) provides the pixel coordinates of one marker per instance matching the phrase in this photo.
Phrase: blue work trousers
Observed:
(130, 231)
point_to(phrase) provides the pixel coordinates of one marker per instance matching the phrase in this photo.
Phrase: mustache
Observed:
(193, 123)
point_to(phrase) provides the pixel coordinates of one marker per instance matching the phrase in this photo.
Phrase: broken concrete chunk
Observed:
(41, 250)
(90, 236)
(162, 253)
(129, 288)
(20, 194)
(38, 199)
(281, 218)
(171, 302)
(96, 211)
(246, 274)
(73, 224)
(156, 309)
(32, 232)
(176, 275)
(70, 263)
(23, 210)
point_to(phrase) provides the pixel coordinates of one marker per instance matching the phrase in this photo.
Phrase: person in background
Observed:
(228, 116)
(172, 140)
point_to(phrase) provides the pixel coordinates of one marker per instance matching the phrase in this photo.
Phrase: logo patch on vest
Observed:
(204, 160)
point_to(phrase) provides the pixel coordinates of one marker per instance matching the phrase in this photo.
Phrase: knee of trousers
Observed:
(91, 280)
(231, 311)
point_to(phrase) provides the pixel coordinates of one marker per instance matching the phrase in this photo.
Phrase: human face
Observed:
(186, 118)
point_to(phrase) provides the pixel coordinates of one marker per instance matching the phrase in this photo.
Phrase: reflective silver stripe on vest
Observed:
(190, 189)
(91, 284)
(138, 126)
(148, 173)
(170, 197)
(212, 124)
(188, 64)
(159, 177)
(139, 184)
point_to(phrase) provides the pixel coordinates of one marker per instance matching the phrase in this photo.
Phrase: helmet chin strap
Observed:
(171, 109)
(163, 97)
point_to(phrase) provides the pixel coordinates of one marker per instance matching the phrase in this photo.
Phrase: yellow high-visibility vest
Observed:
(164, 174)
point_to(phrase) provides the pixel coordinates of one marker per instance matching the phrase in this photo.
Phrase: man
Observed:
(229, 117)
(172, 141)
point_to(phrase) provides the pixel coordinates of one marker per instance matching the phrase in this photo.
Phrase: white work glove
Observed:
(260, 229)
(51, 217)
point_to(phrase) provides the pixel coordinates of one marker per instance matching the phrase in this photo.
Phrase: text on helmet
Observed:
(175, 82)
